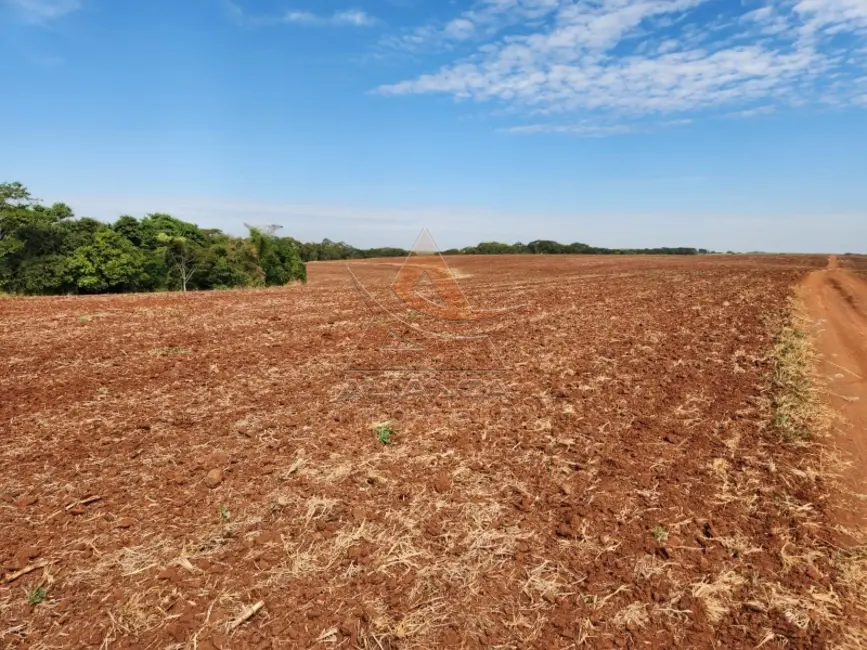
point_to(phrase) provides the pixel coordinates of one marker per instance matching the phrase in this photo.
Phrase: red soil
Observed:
(836, 299)
(627, 490)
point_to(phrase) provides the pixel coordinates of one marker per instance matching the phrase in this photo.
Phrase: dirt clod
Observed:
(213, 478)
(29, 552)
(442, 483)
(168, 574)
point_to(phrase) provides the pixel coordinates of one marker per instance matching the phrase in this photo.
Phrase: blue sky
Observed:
(708, 123)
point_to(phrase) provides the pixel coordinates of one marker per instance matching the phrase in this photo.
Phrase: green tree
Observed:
(289, 253)
(130, 228)
(79, 232)
(227, 262)
(279, 259)
(154, 224)
(32, 242)
(180, 255)
(46, 250)
(110, 264)
(494, 248)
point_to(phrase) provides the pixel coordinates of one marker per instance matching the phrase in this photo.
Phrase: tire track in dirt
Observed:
(836, 301)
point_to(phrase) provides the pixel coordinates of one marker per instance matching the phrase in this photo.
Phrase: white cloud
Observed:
(485, 19)
(758, 111)
(345, 17)
(300, 17)
(636, 58)
(833, 15)
(591, 129)
(351, 17)
(41, 11)
(460, 28)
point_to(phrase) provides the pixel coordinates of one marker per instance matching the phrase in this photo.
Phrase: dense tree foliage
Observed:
(46, 250)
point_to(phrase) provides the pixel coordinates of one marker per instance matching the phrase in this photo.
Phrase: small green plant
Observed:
(225, 514)
(36, 595)
(383, 433)
(660, 534)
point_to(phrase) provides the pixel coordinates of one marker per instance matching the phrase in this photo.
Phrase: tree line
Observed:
(46, 250)
(329, 250)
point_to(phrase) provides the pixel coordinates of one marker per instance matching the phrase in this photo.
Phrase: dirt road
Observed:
(836, 300)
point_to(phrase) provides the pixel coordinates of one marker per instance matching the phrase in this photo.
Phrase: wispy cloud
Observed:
(351, 17)
(345, 17)
(42, 11)
(483, 20)
(758, 111)
(579, 130)
(591, 129)
(644, 58)
(832, 16)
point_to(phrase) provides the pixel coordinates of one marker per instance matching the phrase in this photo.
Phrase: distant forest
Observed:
(329, 250)
(47, 250)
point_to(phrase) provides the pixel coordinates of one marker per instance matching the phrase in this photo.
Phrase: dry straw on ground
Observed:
(646, 481)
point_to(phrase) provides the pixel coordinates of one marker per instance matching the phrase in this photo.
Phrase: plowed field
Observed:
(168, 461)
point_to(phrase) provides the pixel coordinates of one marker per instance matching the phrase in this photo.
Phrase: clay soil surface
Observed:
(836, 300)
(169, 461)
